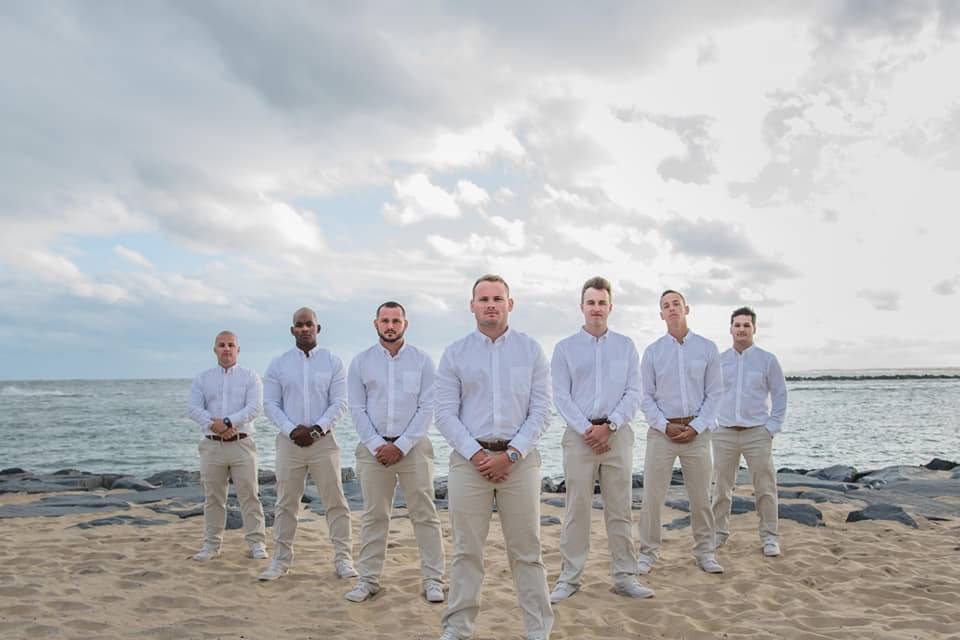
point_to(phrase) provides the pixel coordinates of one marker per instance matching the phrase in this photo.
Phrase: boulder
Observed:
(835, 473)
(637, 481)
(546, 521)
(347, 474)
(265, 476)
(130, 482)
(134, 520)
(939, 464)
(882, 512)
(174, 478)
(11, 471)
(803, 513)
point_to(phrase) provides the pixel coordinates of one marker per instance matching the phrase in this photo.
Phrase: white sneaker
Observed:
(258, 551)
(273, 572)
(363, 591)
(644, 565)
(344, 569)
(631, 588)
(207, 552)
(562, 591)
(433, 591)
(448, 635)
(771, 548)
(710, 564)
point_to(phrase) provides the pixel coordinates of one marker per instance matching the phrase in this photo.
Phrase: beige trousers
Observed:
(756, 446)
(615, 467)
(657, 471)
(220, 461)
(471, 497)
(414, 472)
(322, 460)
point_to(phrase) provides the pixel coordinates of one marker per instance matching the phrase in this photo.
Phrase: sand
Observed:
(858, 580)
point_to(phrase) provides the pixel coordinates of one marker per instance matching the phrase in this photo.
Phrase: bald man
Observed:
(304, 394)
(224, 401)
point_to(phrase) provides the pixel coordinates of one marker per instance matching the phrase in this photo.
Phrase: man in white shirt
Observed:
(492, 406)
(681, 386)
(225, 401)
(752, 411)
(390, 390)
(304, 394)
(596, 389)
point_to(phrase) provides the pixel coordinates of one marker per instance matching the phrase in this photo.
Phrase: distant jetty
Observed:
(895, 376)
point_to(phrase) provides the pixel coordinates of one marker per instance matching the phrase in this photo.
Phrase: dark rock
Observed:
(234, 519)
(546, 521)
(637, 481)
(679, 505)
(598, 504)
(347, 474)
(265, 476)
(440, 488)
(939, 464)
(193, 493)
(742, 505)
(679, 523)
(803, 513)
(562, 486)
(955, 475)
(62, 505)
(836, 473)
(68, 472)
(793, 480)
(548, 485)
(676, 478)
(799, 472)
(180, 513)
(882, 512)
(11, 471)
(556, 502)
(134, 520)
(175, 478)
(130, 482)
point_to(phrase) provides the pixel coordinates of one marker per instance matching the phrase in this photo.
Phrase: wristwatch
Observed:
(316, 432)
(613, 426)
(228, 422)
(513, 455)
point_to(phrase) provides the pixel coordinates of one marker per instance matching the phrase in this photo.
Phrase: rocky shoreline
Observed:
(899, 493)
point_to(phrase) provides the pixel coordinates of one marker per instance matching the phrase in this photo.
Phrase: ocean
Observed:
(867, 419)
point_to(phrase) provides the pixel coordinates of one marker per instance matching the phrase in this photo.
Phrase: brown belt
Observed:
(684, 421)
(599, 420)
(740, 428)
(390, 438)
(239, 436)
(494, 445)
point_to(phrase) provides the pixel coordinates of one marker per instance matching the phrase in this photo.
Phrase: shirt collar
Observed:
(586, 335)
(483, 338)
(227, 370)
(387, 353)
(685, 338)
(309, 354)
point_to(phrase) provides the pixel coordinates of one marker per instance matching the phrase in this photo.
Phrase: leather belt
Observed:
(390, 438)
(239, 436)
(740, 428)
(494, 445)
(599, 420)
(684, 421)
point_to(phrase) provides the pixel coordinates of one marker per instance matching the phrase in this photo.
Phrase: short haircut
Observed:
(390, 304)
(225, 333)
(489, 277)
(598, 283)
(673, 291)
(301, 309)
(744, 311)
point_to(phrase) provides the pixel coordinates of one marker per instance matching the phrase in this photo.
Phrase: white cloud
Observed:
(133, 257)
(419, 199)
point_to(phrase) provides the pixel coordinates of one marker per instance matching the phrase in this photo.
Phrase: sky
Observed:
(171, 169)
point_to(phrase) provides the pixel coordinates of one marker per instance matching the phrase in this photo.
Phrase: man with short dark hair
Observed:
(492, 405)
(224, 401)
(682, 384)
(751, 413)
(596, 389)
(304, 394)
(390, 390)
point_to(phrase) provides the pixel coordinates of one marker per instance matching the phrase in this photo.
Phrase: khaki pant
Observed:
(471, 497)
(415, 474)
(657, 471)
(580, 467)
(756, 445)
(322, 460)
(220, 461)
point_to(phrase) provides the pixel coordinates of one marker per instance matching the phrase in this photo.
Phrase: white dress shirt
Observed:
(234, 393)
(681, 380)
(596, 378)
(391, 396)
(305, 389)
(493, 390)
(750, 378)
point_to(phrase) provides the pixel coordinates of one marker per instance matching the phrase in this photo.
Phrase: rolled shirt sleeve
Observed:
(777, 384)
(447, 396)
(536, 422)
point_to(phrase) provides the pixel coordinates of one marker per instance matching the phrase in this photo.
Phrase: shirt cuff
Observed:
(287, 428)
(467, 450)
(522, 445)
(773, 428)
(404, 444)
(700, 425)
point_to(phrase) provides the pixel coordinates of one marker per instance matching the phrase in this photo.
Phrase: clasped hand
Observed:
(681, 434)
(494, 468)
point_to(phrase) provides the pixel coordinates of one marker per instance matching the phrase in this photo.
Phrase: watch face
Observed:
(513, 455)
(613, 427)
(315, 435)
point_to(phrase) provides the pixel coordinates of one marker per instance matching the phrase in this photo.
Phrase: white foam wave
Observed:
(12, 391)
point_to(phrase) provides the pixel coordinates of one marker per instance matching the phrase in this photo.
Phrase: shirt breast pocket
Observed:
(618, 372)
(756, 381)
(321, 381)
(410, 382)
(521, 378)
(695, 369)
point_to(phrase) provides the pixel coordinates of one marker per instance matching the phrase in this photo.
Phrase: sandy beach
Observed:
(877, 579)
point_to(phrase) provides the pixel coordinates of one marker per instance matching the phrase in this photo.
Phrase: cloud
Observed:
(695, 165)
(881, 299)
(947, 287)
(419, 199)
(829, 215)
(131, 256)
